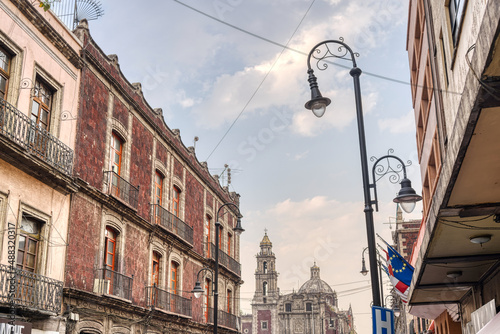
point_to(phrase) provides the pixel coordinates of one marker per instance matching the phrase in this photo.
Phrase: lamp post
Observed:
(198, 290)
(364, 271)
(318, 105)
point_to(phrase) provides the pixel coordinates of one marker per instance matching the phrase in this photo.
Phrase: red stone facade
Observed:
(158, 249)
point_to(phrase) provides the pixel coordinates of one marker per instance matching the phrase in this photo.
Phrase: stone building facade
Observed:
(311, 310)
(107, 218)
(39, 83)
(453, 49)
(142, 224)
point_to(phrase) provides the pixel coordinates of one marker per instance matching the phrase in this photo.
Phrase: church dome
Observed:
(315, 284)
(265, 241)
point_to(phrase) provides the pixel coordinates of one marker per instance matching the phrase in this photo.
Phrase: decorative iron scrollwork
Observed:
(323, 52)
(382, 167)
(67, 116)
(26, 83)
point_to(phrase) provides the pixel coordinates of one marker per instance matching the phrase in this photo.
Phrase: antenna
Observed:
(70, 12)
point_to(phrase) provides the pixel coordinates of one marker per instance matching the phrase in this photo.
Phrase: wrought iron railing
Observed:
(172, 223)
(30, 290)
(122, 189)
(21, 130)
(223, 318)
(167, 301)
(226, 260)
(111, 282)
(227, 320)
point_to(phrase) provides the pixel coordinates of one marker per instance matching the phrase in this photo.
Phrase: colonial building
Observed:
(311, 310)
(107, 218)
(39, 84)
(142, 224)
(453, 49)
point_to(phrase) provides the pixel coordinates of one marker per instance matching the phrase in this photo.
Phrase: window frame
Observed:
(174, 277)
(114, 241)
(208, 232)
(156, 268)
(40, 92)
(116, 138)
(288, 307)
(263, 325)
(456, 14)
(229, 240)
(29, 237)
(229, 301)
(5, 73)
(176, 201)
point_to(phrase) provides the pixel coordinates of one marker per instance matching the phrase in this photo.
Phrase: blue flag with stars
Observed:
(401, 269)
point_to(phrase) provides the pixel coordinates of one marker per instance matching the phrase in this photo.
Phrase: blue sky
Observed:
(243, 95)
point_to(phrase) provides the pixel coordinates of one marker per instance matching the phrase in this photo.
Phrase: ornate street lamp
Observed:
(198, 290)
(321, 53)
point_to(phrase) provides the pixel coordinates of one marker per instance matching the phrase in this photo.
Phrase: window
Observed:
(264, 289)
(264, 265)
(263, 324)
(288, 307)
(229, 301)
(29, 239)
(110, 249)
(456, 11)
(175, 201)
(220, 237)
(174, 278)
(115, 164)
(208, 227)
(158, 195)
(5, 60)
(308, 307)
(42, 104)
(155, 274)
(116, 154)
(229, 237)
(207, 298)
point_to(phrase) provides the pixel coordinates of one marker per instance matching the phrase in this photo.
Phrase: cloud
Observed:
(403, 124)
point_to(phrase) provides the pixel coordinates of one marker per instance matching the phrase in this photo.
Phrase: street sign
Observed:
(383, 320)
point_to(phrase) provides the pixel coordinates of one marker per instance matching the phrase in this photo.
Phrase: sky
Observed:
(234, 74)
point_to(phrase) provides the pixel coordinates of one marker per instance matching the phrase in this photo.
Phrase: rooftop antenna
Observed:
(195, 140)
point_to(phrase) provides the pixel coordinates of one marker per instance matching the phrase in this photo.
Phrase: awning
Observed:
(492, 327)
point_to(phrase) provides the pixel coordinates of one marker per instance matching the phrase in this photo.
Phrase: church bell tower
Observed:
(265, 299)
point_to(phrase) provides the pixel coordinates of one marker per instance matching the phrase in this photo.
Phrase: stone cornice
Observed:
(31, 13)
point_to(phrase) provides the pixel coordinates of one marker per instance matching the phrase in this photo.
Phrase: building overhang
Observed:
(466, 203)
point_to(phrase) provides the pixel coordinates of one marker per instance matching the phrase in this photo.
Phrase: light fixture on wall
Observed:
(480, 239)
(454, 274)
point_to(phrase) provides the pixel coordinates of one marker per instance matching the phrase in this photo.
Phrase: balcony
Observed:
(166, 301)
(225, 260)
(110, 282)
(172, 223)
(121, 189)
(224, 319)
(19, 129)
(30, 290)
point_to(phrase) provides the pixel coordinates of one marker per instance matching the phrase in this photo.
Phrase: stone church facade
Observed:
(312, 310)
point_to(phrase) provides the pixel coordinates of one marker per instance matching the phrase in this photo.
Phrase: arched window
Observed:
(207, 232)
(174, 277)
(155, 269)
(229, 301)
(265, 267)
(206, 305)
(176, 201)
(158, 196)
(264, 289)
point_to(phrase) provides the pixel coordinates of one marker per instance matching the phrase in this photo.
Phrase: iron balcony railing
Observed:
(167, 301)
(110, 282)
(27, 289)
(227, 320)
(21, 130)
(172, 223)
(118, 187)
(223, 319)
(226, 260)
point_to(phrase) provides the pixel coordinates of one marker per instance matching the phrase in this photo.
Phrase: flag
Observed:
(400, 272)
